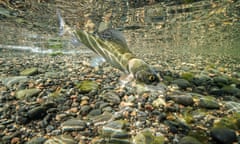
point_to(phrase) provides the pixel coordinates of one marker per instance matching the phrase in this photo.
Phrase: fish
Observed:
(112, 46)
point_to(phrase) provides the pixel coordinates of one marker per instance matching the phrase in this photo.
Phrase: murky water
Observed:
(181, 27)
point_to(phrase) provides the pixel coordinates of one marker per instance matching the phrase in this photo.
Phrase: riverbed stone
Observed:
(101, 119)
(231, 121)
(10, 81)
(73, 125)
(62, 139)
(111, 97)
(182, 83)
(87, 86)
(29, 71)
(189, 140)
(223, 135)
(147, 137)
(182, 99)
(208, 102)
(37, 140)
(22, 94)
(220, 81)
(231, 91)
(114, 127)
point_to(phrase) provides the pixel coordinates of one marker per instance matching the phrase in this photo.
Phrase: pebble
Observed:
(84, 110)
(189, 140)
(220, 81)
(37, 140)
(87, 86)
(26, 93)
(37, 113)
(61, 139)
(10, 81)
(95, 112)
(182, 83)
(113, 127)
(91, 105)
(158, 102)
(208, 102)
(182, 99)
(29, 72)
(101, 119)
(232, 106)
(147, 137)
(111, 97)
(73, 125)
(223, 135)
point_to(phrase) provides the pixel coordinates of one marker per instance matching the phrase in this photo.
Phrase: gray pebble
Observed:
(189, 140)
(61, 139)
(111, 97)
(73, 125)
(183, 99)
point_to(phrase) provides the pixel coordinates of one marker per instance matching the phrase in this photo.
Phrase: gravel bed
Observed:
(62, 99)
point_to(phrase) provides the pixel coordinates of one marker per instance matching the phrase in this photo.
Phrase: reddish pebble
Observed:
(15, 140)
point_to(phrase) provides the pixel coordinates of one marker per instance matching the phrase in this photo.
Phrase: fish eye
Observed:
(151, 78)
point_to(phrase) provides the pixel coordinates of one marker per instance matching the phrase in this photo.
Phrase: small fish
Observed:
(112, 46)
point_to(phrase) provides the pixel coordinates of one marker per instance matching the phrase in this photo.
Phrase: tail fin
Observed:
(63, 28)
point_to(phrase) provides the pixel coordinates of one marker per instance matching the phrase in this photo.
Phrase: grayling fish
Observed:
(112, 46)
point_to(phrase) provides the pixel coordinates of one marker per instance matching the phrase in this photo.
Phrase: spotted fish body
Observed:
(111, 45)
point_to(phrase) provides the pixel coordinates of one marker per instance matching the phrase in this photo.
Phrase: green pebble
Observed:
(29, 72)
(187, 76)
(208, 102)
(21, 94)
(87, 86)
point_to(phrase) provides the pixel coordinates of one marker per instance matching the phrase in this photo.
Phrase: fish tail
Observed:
(63, 27)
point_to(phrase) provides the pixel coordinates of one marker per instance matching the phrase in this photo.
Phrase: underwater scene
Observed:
(120, 72)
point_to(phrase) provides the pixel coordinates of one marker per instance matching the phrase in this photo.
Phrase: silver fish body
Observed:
(111, 45)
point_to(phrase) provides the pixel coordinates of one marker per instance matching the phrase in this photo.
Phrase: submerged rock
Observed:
(223, 135)
(87, 86)
(111, 97)
(29, 72)
(114, 127)
(10, 81)
(37, 140)
(187, 76)
(231, 90)
(61, 139)
(232, 122)
(208, 102)
(147, 137)
(182, 83)
(189, 140)
(21, 94)
(73, 125)
(182, 99)
(220, 81)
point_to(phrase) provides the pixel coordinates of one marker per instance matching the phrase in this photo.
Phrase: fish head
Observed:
(147, 77)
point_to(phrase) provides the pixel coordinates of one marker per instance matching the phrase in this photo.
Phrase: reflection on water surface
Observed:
(186, 27)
